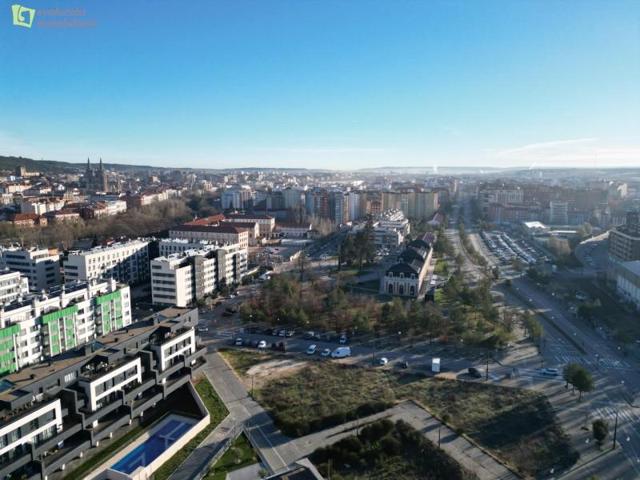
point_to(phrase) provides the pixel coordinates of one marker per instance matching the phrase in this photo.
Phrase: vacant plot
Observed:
(519, 426)
(516, 425)
(258, 368)
(324, 395)
(387, 451)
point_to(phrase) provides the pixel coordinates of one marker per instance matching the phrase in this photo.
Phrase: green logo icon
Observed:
(23, 16)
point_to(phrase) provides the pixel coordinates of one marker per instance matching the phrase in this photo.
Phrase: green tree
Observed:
(582, 380)
(600, 430)
(569, 372)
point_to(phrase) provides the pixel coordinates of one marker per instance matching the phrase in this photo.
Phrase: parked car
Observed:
(326, 352)
(474, 372)
(239, 341)
(309, 335)
(383, 361)
(551, 372)
(343, 339)
(289, 333)
(311, 349)
(203, 328)
(282, 333)
(341, 352)
(404, 365)
(262, 344)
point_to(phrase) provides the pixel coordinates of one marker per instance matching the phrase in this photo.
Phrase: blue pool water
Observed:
(152, 448)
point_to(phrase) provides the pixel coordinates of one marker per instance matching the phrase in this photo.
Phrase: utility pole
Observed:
(615, 432)
(487, 368)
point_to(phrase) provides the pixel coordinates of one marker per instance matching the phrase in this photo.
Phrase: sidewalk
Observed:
(459, 448)
(200, 457)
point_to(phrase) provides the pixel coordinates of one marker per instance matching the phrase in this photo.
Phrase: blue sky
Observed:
(333, 84)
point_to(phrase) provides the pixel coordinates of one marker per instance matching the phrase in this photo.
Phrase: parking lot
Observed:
(507, 248)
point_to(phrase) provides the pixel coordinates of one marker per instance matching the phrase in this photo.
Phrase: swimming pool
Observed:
(153, 447)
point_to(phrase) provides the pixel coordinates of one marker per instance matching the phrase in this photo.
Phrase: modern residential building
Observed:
(185, 277)
(41, 266)
(168, 246)
(215, 233)
(558, 213)
(406, 277)
(53, 416)
(624, 241)
(127, 262)
(628, 281)
(46, 325)
(13, 285)
(238, 197)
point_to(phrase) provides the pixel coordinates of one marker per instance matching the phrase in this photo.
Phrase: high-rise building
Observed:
(44, 326)
(126, 262)
(185, 277)
(13, 285)
(41, 266)
(558, 212)
(624, 241)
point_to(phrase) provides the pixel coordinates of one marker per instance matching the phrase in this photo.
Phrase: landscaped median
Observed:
(217, 412)
(515, 425)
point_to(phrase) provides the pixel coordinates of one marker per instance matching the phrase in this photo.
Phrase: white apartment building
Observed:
(126, 262)
(266, 223)
(223, 234)
(40, 206)
(185, 277)
(238, 197)
(41, 326)
(99, 386)
(41, 266)
(13, 285)
(168, 246)
(182, 343)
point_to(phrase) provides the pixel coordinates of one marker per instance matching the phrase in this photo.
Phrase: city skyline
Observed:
(421, 84)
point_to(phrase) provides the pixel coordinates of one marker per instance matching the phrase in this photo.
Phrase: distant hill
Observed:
(54, 166)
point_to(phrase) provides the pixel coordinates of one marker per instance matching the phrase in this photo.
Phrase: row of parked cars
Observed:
(259, 344)
(340, 352)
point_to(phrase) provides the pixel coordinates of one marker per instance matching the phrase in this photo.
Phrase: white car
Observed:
(551, 372)
(262, 344)
(343, 339)
(202, 328)
(383, 361)
(326, 352)
(312, 349)
(238, 342)
(341, 352)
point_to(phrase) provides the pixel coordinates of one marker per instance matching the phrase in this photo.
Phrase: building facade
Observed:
(126, 262)
(41, 266)
(13, 285)
(406, 277)
(183, 278)
(52, 415)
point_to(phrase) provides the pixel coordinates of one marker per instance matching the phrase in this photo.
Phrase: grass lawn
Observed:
(441, 268)
(325, 395)
(217, 412)
(242, 360)
(517, 425)
(239, 455)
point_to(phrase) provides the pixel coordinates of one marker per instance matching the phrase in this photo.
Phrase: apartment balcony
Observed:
(134, 391)
(73, 448)
(70, 426)
(140, 405)
(110, 424)
(90, 417)
(14, 464)
(174, 382)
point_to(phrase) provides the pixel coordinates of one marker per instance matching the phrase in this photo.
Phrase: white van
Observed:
(341, 352)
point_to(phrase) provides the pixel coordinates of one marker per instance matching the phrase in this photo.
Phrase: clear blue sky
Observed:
(324, 83)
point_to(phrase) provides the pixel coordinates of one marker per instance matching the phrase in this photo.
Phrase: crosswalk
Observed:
(628, 435)
(564, 353)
